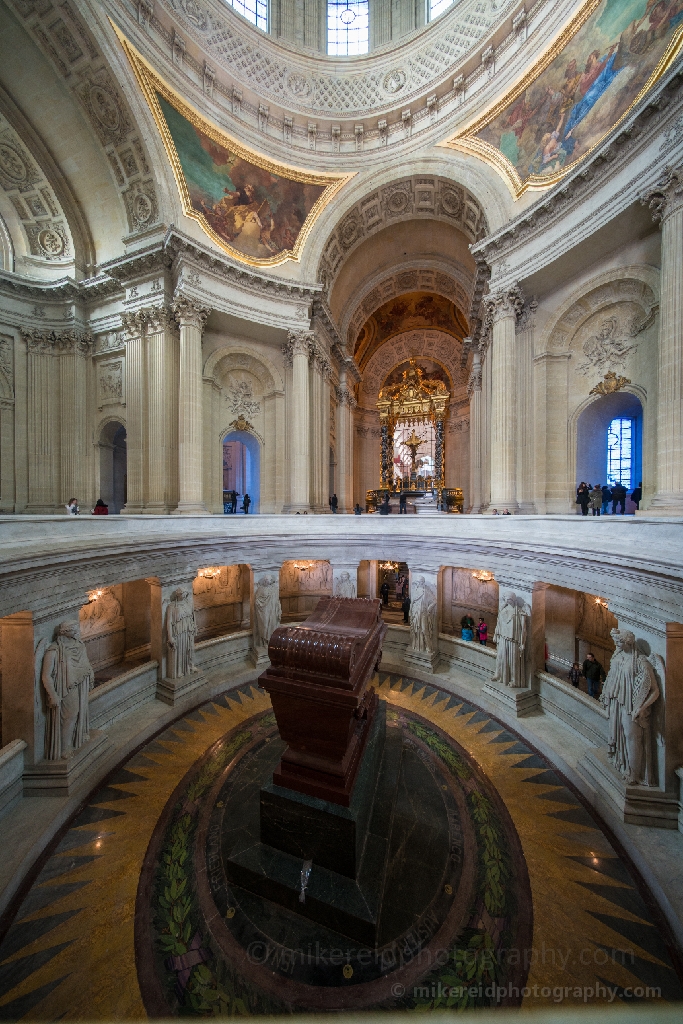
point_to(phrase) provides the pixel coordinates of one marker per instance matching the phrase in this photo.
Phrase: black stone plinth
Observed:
(351, 906)
(330, 835)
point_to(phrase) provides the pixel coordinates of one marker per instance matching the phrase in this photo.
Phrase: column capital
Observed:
(299, 343)
(474, 379)
(666, 197)
(503, 305)
(188, 312)
(345, 397)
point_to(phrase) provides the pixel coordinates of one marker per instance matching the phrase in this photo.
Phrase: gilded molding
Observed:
(151, 85)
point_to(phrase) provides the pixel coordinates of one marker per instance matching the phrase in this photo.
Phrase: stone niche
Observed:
(221, 600)
(302, 584)
(103, 627)
(576, 624)
(462, 593)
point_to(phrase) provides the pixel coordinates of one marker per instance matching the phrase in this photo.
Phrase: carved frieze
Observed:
(110, 383)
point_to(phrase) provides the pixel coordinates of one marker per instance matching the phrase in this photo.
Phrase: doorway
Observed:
(113, 467)
(241, 471)
(609, 442)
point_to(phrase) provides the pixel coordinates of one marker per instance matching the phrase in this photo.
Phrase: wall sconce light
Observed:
(94, 595)
(601, 601)
(483, 576)
(210, 572)
(304, 566)
(389, 566)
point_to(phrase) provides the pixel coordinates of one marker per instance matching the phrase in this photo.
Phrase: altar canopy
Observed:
(412, 414)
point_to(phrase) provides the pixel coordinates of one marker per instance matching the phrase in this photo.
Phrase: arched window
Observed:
(347, 27)
(620, 451)
(255, 11)
(437, 7)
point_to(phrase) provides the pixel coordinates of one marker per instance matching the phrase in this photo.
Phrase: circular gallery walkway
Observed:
(501, 887)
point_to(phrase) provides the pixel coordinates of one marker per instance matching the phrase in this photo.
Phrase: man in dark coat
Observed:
(405, 606)
(384, 591)
(245, 504)
(618, 498)
(334, 503)
(594, 673)
(637, 495)
(402, 502)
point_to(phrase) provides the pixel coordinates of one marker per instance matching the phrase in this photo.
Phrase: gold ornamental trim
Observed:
(465, 139)
(609, 384)
(150, 84)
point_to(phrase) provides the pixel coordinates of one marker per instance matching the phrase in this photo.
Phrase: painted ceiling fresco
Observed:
(258, 211)
(553, 120)
(413, 311)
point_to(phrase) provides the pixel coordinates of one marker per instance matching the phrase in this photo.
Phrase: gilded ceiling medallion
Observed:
(258, 211)
(598, 69)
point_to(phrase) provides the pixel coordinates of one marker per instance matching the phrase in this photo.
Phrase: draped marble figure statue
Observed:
(423, 617)
(629, 692)
(267, 609)
(68, 678)
(180, 632)
(510, 638)
(346, 587)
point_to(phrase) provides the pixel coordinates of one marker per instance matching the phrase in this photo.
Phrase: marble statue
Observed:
(345, 586)
(510, 638)
(629, 693)
(267, 609)
(423, 633)
(180, 632)
(102, 613)
(67, 677)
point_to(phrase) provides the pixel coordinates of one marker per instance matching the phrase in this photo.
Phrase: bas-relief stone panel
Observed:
(103, 627)
(218, 599)
(463, 593)
(301, 588)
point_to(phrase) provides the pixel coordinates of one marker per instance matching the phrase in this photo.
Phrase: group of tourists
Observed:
(99, 509)
(598, 498)
(469, 630)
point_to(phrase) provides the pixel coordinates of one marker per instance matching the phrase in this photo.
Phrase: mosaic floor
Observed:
(500, 887)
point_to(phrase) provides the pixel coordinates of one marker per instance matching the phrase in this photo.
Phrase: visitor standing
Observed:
(245, 504)
(334, 503)
(234, 502)
(618, 498)
(482, 631)
(467, 627)
(606, 498)
(402, 503)
(357, 511)
(384, 591)
(72, 508)
(637, 495)
(575, 674)
(583, 497)
(596, 499)
(594, 673)
(405, 608)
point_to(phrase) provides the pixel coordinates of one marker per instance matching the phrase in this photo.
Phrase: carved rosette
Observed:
(666, 197)
(189, 313)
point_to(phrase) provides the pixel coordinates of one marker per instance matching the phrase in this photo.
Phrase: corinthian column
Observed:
(666, 203)
(41, 425)
(298, 350)
(162, 415)
(502, 310)
(474, 392)
(72, 418)
(136, 426)
(191, 317)
(345, 444)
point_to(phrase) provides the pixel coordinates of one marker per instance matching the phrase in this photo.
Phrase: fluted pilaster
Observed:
(191, 318)
(474, 392)
(666, 203)
(502, 310)
(298, 351)
(136, 409)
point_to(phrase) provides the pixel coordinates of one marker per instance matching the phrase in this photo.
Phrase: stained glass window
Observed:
(255, 11)
(437, 7)
(620, 452)
(347, 27)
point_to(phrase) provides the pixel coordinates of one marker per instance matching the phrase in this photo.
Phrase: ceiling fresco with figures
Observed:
(582, 88)
(408, 312)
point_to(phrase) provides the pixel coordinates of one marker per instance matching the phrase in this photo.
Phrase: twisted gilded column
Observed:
(297, 351)
(191, 318)
(666, 203)
(474, 392)
(502, 310)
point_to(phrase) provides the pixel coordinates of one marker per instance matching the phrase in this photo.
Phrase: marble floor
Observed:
(502, 888)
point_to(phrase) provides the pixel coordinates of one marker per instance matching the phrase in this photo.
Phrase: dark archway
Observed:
(592, 439)
(242, 466)
(113, 466)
